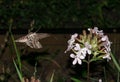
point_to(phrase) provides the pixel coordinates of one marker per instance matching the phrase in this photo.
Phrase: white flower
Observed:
(80, 51)
(104, 38)
(71, 41)
(87, 47)
(96, 31)
(107, 43)
(77, 47)
(77, 58)
(81, 54)
(86, 50)
(107, 55)
(107, 48)
(95, 43)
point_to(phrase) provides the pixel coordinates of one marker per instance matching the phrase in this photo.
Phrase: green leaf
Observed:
(51, 79)
(115, 62)
(17, 52)
(18, 71)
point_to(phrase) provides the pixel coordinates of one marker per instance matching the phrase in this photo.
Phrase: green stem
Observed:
(115, 62)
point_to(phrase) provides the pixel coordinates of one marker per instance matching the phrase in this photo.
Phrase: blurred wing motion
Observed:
(32, 39)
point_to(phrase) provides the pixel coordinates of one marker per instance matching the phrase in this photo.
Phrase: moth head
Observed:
(31, 34)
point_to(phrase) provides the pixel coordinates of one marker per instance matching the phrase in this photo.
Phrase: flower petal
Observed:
(104, 38)
(72, 56)
(79, 61)
(74, 61)
(74, 36)
(71, 42)
(89, 51)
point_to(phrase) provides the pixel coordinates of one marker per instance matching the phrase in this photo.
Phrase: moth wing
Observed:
(42, 35)
(38, 45)
(29, 44)
(34, 44)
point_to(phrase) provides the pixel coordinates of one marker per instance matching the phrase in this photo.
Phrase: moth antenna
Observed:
(38, 29)
(32, 26)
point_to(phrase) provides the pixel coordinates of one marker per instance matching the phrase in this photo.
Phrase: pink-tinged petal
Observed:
(74, 36)
(95, 30)
(77, 46)
(82, 57)
(71, 42)
(74, 61)
(69, 48)
(104, 38)
(72, 56)
(79, 61)
(101, 33)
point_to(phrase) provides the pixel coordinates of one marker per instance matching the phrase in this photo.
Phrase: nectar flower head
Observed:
(95, 44)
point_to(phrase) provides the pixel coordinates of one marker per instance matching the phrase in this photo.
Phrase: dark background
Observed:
(60, 13)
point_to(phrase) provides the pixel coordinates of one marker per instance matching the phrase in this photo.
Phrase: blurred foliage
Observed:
(60, 13)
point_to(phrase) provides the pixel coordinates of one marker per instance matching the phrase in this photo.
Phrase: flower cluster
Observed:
(95, 44)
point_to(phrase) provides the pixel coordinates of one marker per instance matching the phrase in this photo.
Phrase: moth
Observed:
(32, 39)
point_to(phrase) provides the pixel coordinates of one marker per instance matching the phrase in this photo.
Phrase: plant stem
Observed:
(88, 72)
(88, 69)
